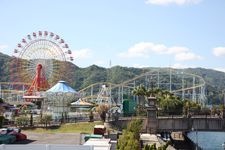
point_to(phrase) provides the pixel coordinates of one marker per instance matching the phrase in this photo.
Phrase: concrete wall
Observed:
(186, 124)
(179, 124)
(173, 124)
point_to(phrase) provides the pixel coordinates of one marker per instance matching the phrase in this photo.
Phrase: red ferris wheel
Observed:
(39, 60)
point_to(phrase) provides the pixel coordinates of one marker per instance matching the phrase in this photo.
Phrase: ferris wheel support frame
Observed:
(37, 60)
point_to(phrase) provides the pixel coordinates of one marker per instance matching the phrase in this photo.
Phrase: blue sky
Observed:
(132, 33)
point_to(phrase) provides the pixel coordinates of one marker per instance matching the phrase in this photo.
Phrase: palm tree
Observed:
(166, 100)
(169, 102)
(141, 92)
(102, 110)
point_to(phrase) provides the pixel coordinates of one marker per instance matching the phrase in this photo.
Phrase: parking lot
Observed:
(51, 138)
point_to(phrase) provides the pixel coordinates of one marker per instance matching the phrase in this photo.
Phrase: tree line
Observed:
(80, 78)
(170, 104)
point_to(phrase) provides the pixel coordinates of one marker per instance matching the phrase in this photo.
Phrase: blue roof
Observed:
(61, 86)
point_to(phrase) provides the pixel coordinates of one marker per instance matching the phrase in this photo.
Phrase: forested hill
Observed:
(4, 67)
(82, 77)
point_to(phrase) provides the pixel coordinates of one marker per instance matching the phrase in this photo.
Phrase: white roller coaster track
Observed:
(196, 90)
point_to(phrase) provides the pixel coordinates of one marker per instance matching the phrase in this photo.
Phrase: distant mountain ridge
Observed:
(82, 77)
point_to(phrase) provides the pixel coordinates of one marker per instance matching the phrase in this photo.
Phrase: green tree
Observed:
(1, 121)
(91, 116)
(2, 110)
(127, 141)
(1, 100)
(169, 103)
(102, 110)
(150, 147)
(147, 147)
(130, 136)
(190, 107)
(135, 126)
(141, 92)
(153, 147)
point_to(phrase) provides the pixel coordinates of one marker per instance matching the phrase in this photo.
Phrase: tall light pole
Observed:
(223, 145)
(196, 137)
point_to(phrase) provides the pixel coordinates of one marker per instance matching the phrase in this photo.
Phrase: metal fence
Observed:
(46, 147)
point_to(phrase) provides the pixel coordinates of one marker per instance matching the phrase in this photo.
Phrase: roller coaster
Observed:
(13, 92)
(185, 85)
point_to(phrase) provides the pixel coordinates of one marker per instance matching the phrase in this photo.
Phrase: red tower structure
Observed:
(39, 82)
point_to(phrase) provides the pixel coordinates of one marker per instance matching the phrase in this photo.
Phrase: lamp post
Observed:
(223, 145)
(196, 138)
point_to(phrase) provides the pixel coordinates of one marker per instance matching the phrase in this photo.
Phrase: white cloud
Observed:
(219, 51)
(82, 53)
(3, 48)
(138, 50)
(220, 69)
(146, 49)
(177, 2)
(180, 66)
(139, 66)
(99, 63)
(186, 56)
(177, 49)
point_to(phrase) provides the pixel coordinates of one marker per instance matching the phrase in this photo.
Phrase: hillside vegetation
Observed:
(79, 78)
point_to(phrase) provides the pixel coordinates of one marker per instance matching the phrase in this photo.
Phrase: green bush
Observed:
(1, 121)
(22, 121)
(46, 119)
(153, 147)
(147, 147)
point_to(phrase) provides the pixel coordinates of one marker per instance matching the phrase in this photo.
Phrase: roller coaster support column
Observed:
(121, 101)
(92, 93)
(183, 96)
(194, 92)
(170, 80)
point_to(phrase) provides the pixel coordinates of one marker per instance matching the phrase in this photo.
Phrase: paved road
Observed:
(51, 138)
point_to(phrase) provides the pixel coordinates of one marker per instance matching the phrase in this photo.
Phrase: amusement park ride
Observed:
(37, 61)
(37, 65)
(185, 85)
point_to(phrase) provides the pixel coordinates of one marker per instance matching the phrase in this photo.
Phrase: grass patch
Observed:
(79, 127)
